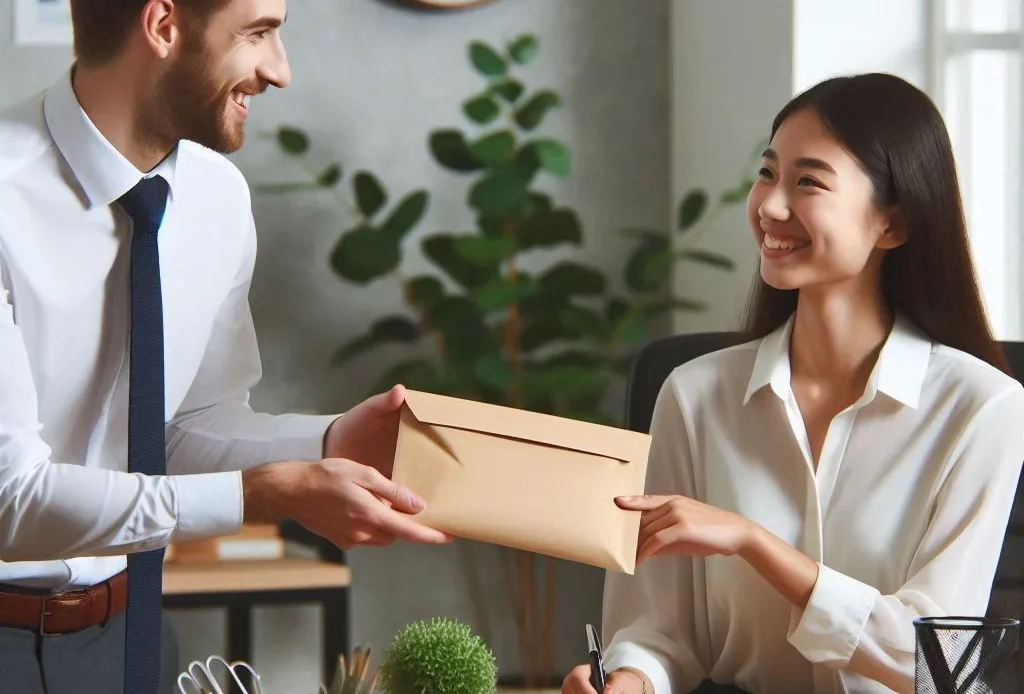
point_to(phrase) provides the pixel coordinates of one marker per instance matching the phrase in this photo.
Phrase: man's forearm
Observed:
(230, 436)
(268, 491)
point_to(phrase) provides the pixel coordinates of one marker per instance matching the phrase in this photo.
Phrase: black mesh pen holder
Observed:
(966, 655)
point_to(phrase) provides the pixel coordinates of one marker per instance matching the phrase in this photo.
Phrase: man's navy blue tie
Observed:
(147, 454)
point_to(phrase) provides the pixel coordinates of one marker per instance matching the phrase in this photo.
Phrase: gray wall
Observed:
(370, 81)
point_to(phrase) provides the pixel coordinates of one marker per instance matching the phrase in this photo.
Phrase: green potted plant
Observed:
(439, 656)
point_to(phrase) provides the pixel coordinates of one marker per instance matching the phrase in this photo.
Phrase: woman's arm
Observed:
(649, 620)
(844, 623)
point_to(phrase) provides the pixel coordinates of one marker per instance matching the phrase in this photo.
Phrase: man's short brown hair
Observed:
(102, 27)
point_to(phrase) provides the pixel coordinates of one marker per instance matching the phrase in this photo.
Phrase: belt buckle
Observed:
(43, 614)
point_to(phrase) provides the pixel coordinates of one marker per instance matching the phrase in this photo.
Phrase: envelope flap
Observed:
(597, 439)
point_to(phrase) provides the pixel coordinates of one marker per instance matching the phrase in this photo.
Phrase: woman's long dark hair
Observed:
(898, 136)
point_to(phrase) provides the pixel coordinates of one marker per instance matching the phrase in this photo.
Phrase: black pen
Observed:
(597, 673)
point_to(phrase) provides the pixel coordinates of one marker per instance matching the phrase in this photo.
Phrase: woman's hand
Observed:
(623, 681)
(680, 525)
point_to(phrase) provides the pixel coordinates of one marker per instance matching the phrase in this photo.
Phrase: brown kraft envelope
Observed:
(523, 479)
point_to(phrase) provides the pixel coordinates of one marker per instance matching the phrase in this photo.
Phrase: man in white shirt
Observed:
(158, 87)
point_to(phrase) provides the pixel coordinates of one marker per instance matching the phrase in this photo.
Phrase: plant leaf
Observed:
(570, 278)
(384, 330)
(483, 250)
(623, 364)
(424, 291)
(405, 216)
(395, 328)
(645, 235)
(529, 115)
(486, 60)
(550, 228)
(495, 149)
(418, 374)
(576, 358)
(527, 163)
(540, 202)
(498, 194)
(330, 176)
(499, 293)
(691, 209)
(440, 248)
(450, 150)
(649, 266)
(553, 156)
(586, 322)
(631, 326)
(708, 258)
(543, 331)
(466, 336)
(674, 304)
(739, 193)
(370, 195)
(616, 308)
(292, 140)
(591, 415)
(524, 49)
(567, 381)
(510, 90)
(481, 109)
(363, 254)
(490, 226)
(493, 370)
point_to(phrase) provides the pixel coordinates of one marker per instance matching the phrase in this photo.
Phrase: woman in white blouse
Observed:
(852, 466)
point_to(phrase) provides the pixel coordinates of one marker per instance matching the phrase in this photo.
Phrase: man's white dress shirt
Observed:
(69, 510)
(905, 515)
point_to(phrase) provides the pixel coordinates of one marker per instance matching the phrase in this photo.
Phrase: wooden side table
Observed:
(241, 585)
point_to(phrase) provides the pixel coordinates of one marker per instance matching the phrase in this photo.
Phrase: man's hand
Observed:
(368, 433)
(680, 525)
(624, 681)
(347, 503)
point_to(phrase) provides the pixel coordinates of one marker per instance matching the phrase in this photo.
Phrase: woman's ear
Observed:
(895, 232)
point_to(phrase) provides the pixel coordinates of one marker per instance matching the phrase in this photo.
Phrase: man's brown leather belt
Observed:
(62, 613)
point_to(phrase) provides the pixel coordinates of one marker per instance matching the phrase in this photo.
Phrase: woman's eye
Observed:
(806, 181)
(764, 172)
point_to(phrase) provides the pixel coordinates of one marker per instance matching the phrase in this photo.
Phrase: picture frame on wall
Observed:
(42, 22)
(443, 5)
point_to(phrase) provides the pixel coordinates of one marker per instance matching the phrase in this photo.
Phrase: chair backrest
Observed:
(657, 360)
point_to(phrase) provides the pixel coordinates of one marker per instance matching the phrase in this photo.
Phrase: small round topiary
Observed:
(441, 656)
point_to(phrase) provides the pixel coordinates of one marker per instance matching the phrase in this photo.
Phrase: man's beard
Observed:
(191, 106)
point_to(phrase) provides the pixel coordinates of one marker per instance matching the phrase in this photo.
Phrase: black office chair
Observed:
(657, 360)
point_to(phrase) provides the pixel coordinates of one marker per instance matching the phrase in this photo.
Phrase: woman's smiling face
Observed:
(812, 210)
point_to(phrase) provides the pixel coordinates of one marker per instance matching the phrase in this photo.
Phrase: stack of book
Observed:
(253, 542)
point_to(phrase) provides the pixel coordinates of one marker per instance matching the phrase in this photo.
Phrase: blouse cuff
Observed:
(831, 625)
(628, 654)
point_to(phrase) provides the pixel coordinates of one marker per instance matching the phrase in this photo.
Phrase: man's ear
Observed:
(895, 232)
(159, 28)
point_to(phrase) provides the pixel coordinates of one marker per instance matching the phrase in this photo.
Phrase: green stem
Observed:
(342, 199)
(693, 239)
(421, 315)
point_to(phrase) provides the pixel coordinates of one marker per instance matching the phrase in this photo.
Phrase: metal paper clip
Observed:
(200, 678)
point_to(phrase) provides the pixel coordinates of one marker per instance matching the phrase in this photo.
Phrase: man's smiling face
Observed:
(224, 61)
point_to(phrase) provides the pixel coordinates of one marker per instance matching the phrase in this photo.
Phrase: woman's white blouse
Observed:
(905, 515)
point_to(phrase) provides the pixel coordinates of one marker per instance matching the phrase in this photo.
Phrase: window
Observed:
(977, 80)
